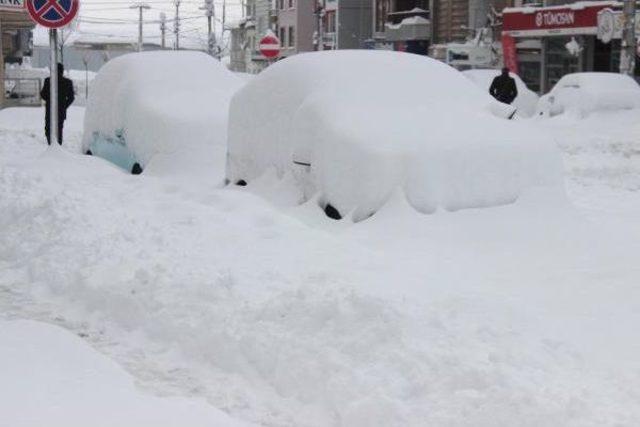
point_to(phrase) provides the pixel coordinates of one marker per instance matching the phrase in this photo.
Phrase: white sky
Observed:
(115, 18)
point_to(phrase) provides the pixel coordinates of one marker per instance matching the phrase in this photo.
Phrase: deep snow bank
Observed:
(365, 132)
(526, 100)
(160, 102)
(51, 377)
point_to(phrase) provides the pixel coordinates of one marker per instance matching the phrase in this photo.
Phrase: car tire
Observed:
(241, 183)
(136, 169)
(88, 153)
(332, 212)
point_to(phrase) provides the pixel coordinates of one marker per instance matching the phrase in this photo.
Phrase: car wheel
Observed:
(332, 212)
(136, 169)
(88, 153)
(241, 183)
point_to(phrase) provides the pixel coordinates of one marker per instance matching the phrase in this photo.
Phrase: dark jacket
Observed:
(66, 95)
(503, 88)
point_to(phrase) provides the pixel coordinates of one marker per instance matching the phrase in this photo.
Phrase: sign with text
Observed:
(554, 20)
(11, 4)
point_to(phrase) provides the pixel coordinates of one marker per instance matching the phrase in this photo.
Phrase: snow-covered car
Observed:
(351, 127)
(145, 104)
(583, 93)
(526, 100)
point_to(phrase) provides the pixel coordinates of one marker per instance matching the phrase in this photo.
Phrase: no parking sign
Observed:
(53, 13)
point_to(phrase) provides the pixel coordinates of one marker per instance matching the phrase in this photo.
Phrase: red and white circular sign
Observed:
(53, 13)
(269, 46)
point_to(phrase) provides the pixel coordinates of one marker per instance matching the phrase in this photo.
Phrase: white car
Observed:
(583, 93)
(145, 104)
(526, 100)
(353, 127)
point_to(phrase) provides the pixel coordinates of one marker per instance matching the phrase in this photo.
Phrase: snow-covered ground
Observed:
(525, 314)
(51, 377)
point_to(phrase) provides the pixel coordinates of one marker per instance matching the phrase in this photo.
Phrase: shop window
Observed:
(559, 61)
(283, 35)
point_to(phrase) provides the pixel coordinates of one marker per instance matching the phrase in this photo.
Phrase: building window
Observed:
(330, 18)
(292, 4)
(283, 36)
(292, 36)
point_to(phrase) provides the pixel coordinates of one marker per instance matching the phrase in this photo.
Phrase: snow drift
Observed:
(580, 94)
(158, 102)
(526, 100)
(352, 126)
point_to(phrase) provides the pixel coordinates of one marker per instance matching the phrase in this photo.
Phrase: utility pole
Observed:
(163, 30)
(141, 7)
(176, 24)
(209, 9)
(628, 48)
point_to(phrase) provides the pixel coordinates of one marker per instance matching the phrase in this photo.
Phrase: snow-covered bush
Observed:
(583, 93)
(147, 103)
(354, 126)
(526, 100)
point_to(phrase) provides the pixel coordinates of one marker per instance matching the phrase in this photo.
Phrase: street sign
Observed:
(269, 46)
(53, 14)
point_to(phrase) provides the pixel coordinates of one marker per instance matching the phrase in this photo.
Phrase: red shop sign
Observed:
(552, 20)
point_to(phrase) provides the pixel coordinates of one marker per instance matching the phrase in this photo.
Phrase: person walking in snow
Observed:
(503, 88)
(66, 96)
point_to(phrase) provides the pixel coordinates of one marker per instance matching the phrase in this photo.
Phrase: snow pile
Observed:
(364, 134)
(523, 315)
(51, 377)
(583, 93)
(526, 100)
(159, 103)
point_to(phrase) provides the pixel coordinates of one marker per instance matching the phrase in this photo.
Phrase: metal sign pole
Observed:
(53, 88)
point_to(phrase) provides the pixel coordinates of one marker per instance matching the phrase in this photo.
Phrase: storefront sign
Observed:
(610, 24)
(543, 21)
(11, 4)
(509, 53)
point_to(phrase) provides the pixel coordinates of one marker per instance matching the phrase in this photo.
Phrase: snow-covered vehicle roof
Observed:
(143, 104)
(584, 93)
(526, 100)
(354, 126)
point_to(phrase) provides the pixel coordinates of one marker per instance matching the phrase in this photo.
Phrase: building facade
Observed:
(260, 17)
(403, 25)
(15, 37)
(552, 41)
(343, 24)
(296, 25)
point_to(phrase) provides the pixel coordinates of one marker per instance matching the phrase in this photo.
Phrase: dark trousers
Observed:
(47, 126)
